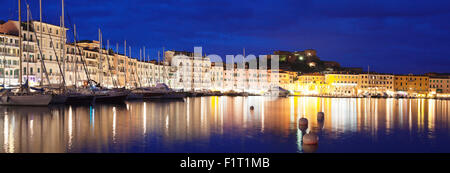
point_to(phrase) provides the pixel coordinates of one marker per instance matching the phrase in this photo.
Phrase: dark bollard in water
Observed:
(310, 139)
(252, 108)
(320, 116)
(303, 124)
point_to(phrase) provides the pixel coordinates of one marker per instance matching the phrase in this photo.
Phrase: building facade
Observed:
(411, 85)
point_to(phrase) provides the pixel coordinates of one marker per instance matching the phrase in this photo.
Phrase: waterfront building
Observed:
(310, 84)
(279, 78)
(342, 84)
(120, 65)
(376, 84)
(251, 80)
(293, 76)
(9, 53)
(53, 39)
(217, 79)
(255, 80)
(411, 85)
(52, 44)
(143, 73)
(109, 70)
(131, 72)
(439, 85)
(91, 57)
(234, 78)
(75, 74)
(190, 73)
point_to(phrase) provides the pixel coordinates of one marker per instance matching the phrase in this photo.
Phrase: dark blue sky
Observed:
(401, 36)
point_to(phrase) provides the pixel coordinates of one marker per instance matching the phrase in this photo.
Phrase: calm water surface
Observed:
(226, 124)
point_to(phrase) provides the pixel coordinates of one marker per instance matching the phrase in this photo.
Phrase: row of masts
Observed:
(62, 95)
(61, 58)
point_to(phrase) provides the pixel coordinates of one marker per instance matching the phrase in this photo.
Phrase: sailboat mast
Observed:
(88, 78)
(100, 59)
(159, 70)
(164, 68)
(20, 48)
(107, 60)
(63, 41)
(76, 58)
(40, 45)
(117, 64)
(111, 76)
(135, 83)
(28, 51)
(144, 69)
(4, 60)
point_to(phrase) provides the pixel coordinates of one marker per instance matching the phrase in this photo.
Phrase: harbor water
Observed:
(228, 125)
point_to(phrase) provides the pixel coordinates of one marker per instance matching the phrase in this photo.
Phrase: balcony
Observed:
(8, 54)
(28, 50)
(10, 44)
(30, 61)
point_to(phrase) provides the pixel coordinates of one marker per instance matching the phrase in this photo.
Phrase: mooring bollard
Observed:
(310, 139)
(303, 124)
(320, 116)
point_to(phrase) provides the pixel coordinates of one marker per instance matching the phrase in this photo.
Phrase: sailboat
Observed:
(23, 97)
(162, 91)
(81, 95)
(116, 95)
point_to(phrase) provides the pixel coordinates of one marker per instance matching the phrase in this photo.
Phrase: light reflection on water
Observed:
(226, 124)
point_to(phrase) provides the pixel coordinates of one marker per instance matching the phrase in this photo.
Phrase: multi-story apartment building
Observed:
(52, 40)
(439, 85)
(376, 84)
(217, 76)
(342, 84)
(74, 73)
(311, 84)
(277, 77)
(120, 65)
(9, 53)
(255, 80)
(192, 72)
(411, 85)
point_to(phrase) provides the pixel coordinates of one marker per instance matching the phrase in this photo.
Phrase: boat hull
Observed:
(26, 100)
(79, 99)
(58, 99)
(135, 96)
(111, 98)
(169, 96)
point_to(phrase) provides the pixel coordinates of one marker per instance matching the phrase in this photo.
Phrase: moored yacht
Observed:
(24, 98)
(162, 91)
(277, 92)
(111, 96)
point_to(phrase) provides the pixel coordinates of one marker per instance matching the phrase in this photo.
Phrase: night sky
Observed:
(405, 36)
